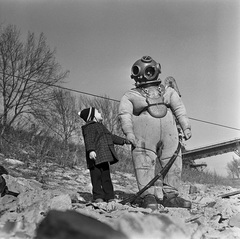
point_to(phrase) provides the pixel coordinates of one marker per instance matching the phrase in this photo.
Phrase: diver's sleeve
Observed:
(125, 115)
(172, 99)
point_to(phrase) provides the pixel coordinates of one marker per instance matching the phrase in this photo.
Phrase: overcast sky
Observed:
(196, 41)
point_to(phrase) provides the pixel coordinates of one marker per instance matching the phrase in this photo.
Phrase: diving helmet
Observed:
(145, 71)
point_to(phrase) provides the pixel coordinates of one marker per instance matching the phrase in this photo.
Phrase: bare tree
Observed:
(27, 72)
(60, 116)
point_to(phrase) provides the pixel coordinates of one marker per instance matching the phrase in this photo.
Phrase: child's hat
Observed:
(87, 114)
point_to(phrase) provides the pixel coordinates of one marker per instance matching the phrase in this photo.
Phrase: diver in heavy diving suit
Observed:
(149, 116)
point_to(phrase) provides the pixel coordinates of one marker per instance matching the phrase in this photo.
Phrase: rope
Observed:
(102, 97)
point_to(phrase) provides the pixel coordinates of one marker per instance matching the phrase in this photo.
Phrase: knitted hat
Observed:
(87, 114)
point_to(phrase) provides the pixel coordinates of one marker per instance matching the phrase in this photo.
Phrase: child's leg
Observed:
(97, 191)
(107, 182)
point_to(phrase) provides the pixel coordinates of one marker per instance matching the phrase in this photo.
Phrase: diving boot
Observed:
(176, 201)
(149, 201)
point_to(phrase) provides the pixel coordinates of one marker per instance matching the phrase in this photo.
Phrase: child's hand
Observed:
(126, 141)
(92, 155)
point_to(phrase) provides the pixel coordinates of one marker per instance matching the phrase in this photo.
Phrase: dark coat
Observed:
(99, 139)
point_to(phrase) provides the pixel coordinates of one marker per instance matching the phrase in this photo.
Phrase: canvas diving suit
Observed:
(148, 115)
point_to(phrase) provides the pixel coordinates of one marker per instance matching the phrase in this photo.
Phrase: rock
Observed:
(215, 219)
(25, 209)
(61, 202)
(157, 226)
(3, 170)
(204, 201)
(229, 233)
(22, 185)
(193, 189)
(2, 184)
(235, 220)
(184, 188)
(2, 156)
(14, 161)
(75, 197)
(73, 225)
(202, 188)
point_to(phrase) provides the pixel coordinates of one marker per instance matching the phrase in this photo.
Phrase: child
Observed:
(99, 145)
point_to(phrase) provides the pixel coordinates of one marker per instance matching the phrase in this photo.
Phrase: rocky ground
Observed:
(51, 187)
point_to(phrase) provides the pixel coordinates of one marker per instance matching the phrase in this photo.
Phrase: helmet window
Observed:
(150, 71)
(135, 70)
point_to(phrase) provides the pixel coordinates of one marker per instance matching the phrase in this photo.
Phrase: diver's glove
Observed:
(132, 139)
(187, 134)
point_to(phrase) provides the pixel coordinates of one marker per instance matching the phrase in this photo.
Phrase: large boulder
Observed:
(73, 225)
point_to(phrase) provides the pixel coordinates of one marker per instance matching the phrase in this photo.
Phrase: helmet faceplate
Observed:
(145, 71)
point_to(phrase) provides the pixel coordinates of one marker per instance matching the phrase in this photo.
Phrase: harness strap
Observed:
(146, 107)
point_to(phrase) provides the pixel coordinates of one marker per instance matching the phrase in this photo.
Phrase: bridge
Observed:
(211, 150)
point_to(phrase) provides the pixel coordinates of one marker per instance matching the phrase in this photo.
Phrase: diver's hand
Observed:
(187, 134)
(92, 155)
(132, 139)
